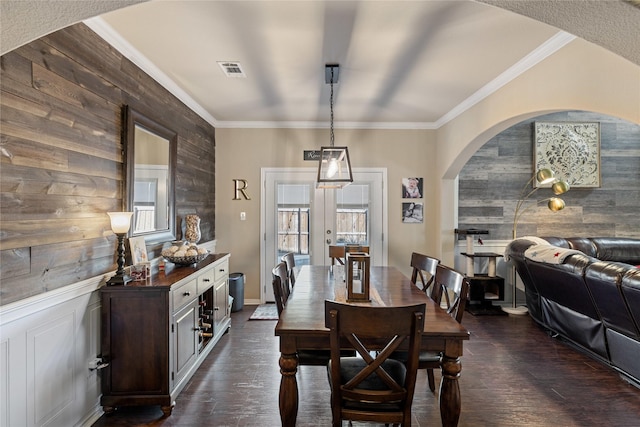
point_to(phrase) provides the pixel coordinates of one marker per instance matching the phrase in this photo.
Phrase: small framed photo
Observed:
(412, 188)
(138, 249)
(140, 272)
(412, 213)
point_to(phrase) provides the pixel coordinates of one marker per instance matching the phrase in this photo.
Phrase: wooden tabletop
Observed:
(304, 312)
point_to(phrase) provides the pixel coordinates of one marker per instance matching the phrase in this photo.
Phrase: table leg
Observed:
(288, 389)
(450, 402)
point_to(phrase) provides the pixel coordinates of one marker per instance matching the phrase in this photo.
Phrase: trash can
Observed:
(236, 290)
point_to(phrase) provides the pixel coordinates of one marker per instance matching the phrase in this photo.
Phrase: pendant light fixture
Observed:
(334, 168)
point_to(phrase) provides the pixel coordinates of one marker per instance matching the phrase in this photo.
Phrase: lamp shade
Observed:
(560, 187)
(545, 176)
(556, 204)
(120, 221)
(334, 169)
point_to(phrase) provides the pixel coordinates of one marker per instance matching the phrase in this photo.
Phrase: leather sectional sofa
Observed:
(591, 298)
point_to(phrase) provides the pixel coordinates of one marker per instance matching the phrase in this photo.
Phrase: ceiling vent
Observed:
(231, 69)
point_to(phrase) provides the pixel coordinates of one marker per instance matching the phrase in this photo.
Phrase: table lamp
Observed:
(120, 224)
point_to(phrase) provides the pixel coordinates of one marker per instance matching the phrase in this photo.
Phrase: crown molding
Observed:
(105, 31)
(546, 49)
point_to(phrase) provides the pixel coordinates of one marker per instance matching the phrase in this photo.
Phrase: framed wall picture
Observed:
(412, 213)
(138, 249)
(571, 150)
(412, 188)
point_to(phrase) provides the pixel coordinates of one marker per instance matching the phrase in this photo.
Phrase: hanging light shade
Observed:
(334, 168)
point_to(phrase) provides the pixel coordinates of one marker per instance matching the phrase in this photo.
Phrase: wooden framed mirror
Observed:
(151, 152)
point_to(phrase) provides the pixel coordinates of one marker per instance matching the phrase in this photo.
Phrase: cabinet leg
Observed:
(108, 409)
(166, 410)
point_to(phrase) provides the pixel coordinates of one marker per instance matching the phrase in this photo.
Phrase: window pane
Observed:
(352, 214)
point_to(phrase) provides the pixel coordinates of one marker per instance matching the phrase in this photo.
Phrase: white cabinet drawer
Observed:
(184, 294)
(206, 280)
(221, 270)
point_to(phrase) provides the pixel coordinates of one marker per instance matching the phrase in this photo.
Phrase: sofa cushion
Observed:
(617, 249)
(583, 244)
(631, 291)
(564, 283)
(604, 280)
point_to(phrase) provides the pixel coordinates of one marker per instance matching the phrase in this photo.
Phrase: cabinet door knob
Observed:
(206, 280)
(186, 294)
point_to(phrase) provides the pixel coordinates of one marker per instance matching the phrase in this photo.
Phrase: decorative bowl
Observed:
(186, 260)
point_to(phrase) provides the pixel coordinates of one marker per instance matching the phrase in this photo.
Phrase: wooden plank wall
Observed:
(62, 158)
(490, 182)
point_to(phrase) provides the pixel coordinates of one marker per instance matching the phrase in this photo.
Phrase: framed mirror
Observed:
(151, 151)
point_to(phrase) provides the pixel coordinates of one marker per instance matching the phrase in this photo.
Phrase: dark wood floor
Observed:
(513, 374)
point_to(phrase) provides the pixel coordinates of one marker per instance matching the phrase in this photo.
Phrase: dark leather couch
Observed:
(591, 299)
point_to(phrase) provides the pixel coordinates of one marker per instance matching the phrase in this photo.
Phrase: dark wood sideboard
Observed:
(156, 334)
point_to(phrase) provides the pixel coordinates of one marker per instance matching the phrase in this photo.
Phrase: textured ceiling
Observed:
(612, 24)
(409, 64)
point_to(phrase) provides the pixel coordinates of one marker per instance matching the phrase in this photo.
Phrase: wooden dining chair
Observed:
(424, 269)
(450, 290)
(373, 386)
(290, 262)
(338, 253)
(279, 283)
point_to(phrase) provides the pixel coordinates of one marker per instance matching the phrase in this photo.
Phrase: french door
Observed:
(298, 218)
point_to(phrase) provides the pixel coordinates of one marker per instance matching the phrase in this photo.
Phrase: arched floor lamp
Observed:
(555, 204)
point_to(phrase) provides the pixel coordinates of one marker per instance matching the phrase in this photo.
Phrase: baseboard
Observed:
(91, 418)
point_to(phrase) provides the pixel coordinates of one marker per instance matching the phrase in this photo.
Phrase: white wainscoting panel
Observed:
(46, 343)
(50, 369)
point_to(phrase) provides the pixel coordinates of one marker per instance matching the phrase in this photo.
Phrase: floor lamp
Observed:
(555, 204)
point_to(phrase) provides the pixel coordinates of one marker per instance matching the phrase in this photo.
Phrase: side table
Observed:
(486, 287)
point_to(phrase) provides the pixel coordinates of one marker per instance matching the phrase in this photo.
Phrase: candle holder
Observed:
(358, 266)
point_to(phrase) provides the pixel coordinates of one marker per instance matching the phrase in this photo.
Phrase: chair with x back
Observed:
(373, 386)
(451, 292)
(424, 271)
(290, 262)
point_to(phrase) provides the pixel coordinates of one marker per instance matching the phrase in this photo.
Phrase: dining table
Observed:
(301, 326)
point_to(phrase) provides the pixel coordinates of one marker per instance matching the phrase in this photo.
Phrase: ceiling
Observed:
(403, 64)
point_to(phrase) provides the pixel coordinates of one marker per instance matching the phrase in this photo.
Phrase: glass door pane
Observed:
(293, 219)
(352, 215)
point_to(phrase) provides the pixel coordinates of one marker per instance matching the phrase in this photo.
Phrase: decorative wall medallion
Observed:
(571, 150)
